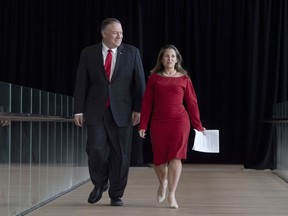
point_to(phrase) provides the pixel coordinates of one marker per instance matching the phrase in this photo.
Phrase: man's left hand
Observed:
(135, 118)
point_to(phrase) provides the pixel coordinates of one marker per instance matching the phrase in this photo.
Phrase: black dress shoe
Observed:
(116, 201)
(96, 194)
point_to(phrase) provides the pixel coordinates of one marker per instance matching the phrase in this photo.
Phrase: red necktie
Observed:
(108, 62)
(107, 67)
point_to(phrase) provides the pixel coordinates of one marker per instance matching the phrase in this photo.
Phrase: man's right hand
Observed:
(79, 120)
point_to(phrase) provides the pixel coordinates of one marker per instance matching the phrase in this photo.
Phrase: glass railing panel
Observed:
(65, 107)
(5, 95)
(43, 162)
(26, 165)
(44, 103)
(36, 101)
(281, 138)
(58, 105)
(39, 159)
(26, 100)
(15, 167)
(70, 106)
(16, 99)
(52, 104)
(36, 183)
(5, 153)
(5, 170)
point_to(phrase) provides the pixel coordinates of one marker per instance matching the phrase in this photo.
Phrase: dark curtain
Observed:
(235, 53)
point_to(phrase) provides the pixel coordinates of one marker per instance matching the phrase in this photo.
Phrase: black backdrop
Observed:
(235, 51)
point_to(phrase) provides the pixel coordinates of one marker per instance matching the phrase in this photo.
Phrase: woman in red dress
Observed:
(170, 103)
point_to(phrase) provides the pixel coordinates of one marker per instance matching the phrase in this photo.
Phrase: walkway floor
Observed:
(203, 190)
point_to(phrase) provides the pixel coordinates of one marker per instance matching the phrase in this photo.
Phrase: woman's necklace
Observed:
(169, 75)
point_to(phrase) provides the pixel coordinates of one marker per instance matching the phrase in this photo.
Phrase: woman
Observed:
(168, 87)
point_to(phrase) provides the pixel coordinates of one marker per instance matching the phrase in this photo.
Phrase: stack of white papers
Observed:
(207, 141)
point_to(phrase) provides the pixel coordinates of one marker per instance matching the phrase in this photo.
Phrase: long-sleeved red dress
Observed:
(170, 125)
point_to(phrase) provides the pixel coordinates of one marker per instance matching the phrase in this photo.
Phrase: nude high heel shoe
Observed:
(172, 202)
(161, 193)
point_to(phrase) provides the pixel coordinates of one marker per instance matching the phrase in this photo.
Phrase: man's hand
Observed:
(135, 118)
(79, 120)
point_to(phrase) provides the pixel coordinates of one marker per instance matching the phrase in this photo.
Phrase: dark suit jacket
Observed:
(125, 89)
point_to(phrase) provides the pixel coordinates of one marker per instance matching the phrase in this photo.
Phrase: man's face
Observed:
(112, 35)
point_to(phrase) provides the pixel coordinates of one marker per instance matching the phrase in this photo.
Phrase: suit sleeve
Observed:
(139, 82)
(192, 106)
(80, 85)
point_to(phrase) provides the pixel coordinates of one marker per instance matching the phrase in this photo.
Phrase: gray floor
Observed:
(203, 190)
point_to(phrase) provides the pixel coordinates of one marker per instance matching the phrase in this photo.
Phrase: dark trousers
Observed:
(108, 149)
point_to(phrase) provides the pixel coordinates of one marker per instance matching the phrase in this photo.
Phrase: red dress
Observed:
(170, 124)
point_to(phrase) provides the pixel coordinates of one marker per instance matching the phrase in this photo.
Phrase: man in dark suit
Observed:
(109, 105)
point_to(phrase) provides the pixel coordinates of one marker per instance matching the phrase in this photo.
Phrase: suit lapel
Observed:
(99, 62)
(120, 55)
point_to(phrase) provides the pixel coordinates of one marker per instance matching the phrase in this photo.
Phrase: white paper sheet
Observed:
(207, 141)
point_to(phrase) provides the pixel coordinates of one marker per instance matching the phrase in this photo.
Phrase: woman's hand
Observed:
(204, 129)
(142, 133)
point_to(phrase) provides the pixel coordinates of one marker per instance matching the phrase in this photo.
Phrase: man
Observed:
(110, 107)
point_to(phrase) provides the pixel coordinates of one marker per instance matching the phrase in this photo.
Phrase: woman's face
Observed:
(169, 59)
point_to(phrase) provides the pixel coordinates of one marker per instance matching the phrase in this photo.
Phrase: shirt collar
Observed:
(105, 48)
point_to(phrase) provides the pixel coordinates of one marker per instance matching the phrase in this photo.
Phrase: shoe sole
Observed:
(116, 204)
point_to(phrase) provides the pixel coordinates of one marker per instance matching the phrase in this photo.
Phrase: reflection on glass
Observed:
(281, 112)
(36, 101)
(38, 159)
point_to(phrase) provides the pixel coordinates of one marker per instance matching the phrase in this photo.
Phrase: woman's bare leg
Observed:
(162, 173)
(174, 173)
